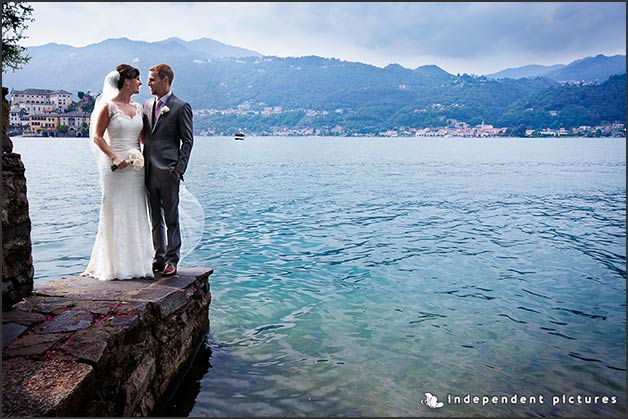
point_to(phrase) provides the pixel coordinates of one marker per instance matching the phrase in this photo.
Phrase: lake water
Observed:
(353, 275)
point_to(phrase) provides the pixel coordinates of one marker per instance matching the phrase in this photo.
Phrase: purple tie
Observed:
(157, 110)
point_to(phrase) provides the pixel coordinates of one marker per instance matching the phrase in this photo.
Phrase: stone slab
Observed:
(24, 318)
(41, 388)
(69, 321)
(10, 332)
(90, 350)
(29, 345)
(168, 299)
(88, 288)
(42, 304)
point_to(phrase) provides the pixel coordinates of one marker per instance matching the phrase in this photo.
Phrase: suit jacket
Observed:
(168, 141)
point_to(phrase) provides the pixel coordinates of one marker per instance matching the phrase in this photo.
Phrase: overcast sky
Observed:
(477, 38)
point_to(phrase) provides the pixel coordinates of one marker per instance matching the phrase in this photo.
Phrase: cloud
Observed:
(460, 37)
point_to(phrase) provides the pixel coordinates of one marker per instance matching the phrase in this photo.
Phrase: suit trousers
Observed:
(163, 197)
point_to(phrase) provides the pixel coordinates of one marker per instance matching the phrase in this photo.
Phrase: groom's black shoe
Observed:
(169, 270)
(158, 267)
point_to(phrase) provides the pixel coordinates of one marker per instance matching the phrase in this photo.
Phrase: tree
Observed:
(84, 130)
(15, 18)
(520, 131)
(86, 101)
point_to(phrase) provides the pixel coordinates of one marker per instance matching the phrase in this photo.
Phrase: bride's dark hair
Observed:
(126, 72)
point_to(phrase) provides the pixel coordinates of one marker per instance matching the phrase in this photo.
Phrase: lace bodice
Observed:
(123, 131)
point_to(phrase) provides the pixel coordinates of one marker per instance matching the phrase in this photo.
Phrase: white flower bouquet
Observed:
(136, 160)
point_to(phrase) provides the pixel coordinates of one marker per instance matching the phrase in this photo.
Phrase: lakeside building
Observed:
(41, 99)
(43, 123)
(45, 112)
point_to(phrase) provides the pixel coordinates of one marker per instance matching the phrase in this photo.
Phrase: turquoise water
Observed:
(353, 275)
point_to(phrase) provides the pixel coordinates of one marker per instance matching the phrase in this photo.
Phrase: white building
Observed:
(33, 107)
(30, 107)
(59, 99)
(18, 118)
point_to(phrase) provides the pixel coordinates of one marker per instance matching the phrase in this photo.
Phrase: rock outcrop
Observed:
(17, 261)
(83, 347)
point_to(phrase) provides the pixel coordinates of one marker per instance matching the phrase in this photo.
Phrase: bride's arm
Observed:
(99, 138)
(143, 135)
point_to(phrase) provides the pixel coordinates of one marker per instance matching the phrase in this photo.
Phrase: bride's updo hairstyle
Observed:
(126, 72)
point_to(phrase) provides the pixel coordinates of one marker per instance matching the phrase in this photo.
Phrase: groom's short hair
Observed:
(164, 70)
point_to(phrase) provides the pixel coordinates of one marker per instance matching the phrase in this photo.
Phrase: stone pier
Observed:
(82, 347)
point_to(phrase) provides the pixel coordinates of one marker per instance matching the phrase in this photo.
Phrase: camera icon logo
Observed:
(431, 401)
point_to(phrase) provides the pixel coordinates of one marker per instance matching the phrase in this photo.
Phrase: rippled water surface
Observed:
(354, 275)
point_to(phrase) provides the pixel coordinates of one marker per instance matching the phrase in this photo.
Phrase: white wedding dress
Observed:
(124, 246)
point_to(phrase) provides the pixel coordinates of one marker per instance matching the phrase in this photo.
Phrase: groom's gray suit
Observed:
(167, 146)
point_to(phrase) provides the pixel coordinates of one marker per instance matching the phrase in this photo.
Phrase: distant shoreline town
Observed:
(53, 113)
(453, 129)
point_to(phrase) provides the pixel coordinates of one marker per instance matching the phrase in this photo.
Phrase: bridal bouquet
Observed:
(136, 160)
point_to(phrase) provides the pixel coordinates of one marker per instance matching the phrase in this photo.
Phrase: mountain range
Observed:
(58, 66)
(591, 69)
(357, 96)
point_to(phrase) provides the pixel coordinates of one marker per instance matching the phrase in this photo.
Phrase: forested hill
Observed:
(570, 106)
(529, 103)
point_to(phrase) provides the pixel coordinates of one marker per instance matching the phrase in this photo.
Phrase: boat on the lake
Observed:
(239, 135)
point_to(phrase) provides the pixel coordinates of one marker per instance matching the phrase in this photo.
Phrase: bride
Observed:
(123, 247)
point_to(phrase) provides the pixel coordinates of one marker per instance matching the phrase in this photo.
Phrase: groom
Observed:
(167, 146)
